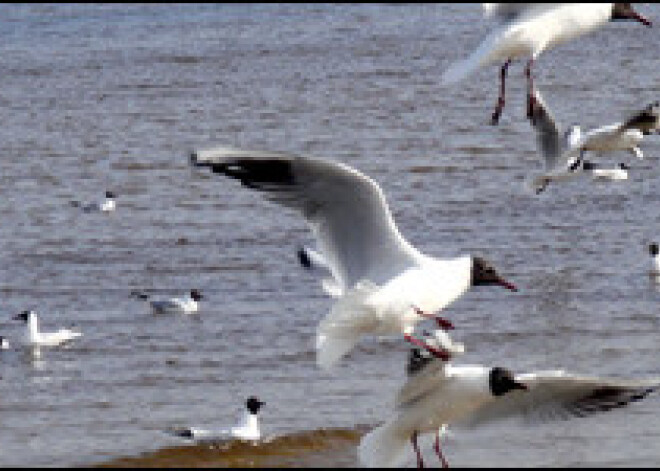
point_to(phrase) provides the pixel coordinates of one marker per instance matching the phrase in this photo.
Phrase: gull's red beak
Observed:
(642, 19)
(507, 285)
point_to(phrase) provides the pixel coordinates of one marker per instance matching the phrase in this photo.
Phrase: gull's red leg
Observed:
(530, 88)
(413, 439)
(500, 100)
(439, 353)
(438, 451)
(443, 323)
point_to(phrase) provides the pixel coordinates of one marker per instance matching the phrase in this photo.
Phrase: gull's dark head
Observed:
(624, 166)
(625, 12)
(196, 295)
(253, 404)
(501, 381)
(23, 316)
(653, 249)
(110, 194)
(484, 273)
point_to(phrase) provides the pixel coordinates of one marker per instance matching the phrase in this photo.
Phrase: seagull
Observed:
(314, 262)
(387, 284)
(105, 206)
(186, 305)
(620, 172)
(527, 29)
(438, 394)
(246, 429)
(561, 154)
(4, 343)
(34, 338)
(624, 135)
(653, 250)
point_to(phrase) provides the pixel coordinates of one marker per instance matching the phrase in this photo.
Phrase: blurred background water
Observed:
(115, 96)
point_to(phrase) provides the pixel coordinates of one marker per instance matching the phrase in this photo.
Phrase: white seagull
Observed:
(560, 152)
(527, 29)
(246, 429)
(4, 343)
(438, 395)
(105, 206)
(625, 135)
(185, 305)
(655, 258)
(598, 172)
(387, 284)
(34, 338)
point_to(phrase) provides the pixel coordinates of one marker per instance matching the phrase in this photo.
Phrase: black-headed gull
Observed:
(387, 284)
(625, 135)
(105, 206)
(438, 395)
(560, 153)
(655, 258)
(34, 338)
(599, 172)
(527, 29)
(188, 304)
(246, 429)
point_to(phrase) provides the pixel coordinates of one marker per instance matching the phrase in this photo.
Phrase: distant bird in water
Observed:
(4, 343)
(438, 395)
(655, 259)
(105, 206)
(388, 285)
(247, 427)
(527, 29)
(598, 172)
(186, 305)
(315, 263)
(34, 338)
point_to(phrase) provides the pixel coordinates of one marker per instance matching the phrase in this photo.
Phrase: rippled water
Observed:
(99, 97)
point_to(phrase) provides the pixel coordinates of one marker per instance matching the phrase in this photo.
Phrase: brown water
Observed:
(98, 97)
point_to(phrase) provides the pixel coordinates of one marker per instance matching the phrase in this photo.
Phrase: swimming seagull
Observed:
(4, 343)
(387, 284)
(527, 29)
(653, 250)
(34, 338)
(598, 172)
(246, 429)
(105, 206)
(186, 305)
(561, 155)
(438, 395)
(625, 135)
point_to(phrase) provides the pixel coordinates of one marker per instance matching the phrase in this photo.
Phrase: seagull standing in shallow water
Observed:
(527, 29)
(34, 338)
(387, 285)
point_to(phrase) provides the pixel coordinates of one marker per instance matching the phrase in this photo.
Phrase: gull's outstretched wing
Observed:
(555, 395)
(347, 210)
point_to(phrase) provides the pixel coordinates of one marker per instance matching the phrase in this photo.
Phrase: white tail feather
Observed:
(341, 329)
(382, 448)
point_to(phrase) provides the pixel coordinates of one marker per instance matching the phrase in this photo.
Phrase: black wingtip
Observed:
(303, 258)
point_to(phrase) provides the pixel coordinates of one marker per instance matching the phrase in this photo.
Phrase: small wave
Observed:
(315, 448)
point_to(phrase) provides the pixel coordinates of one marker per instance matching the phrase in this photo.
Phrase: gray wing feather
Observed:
(557, 395)
(549, 142)
(347, 210)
